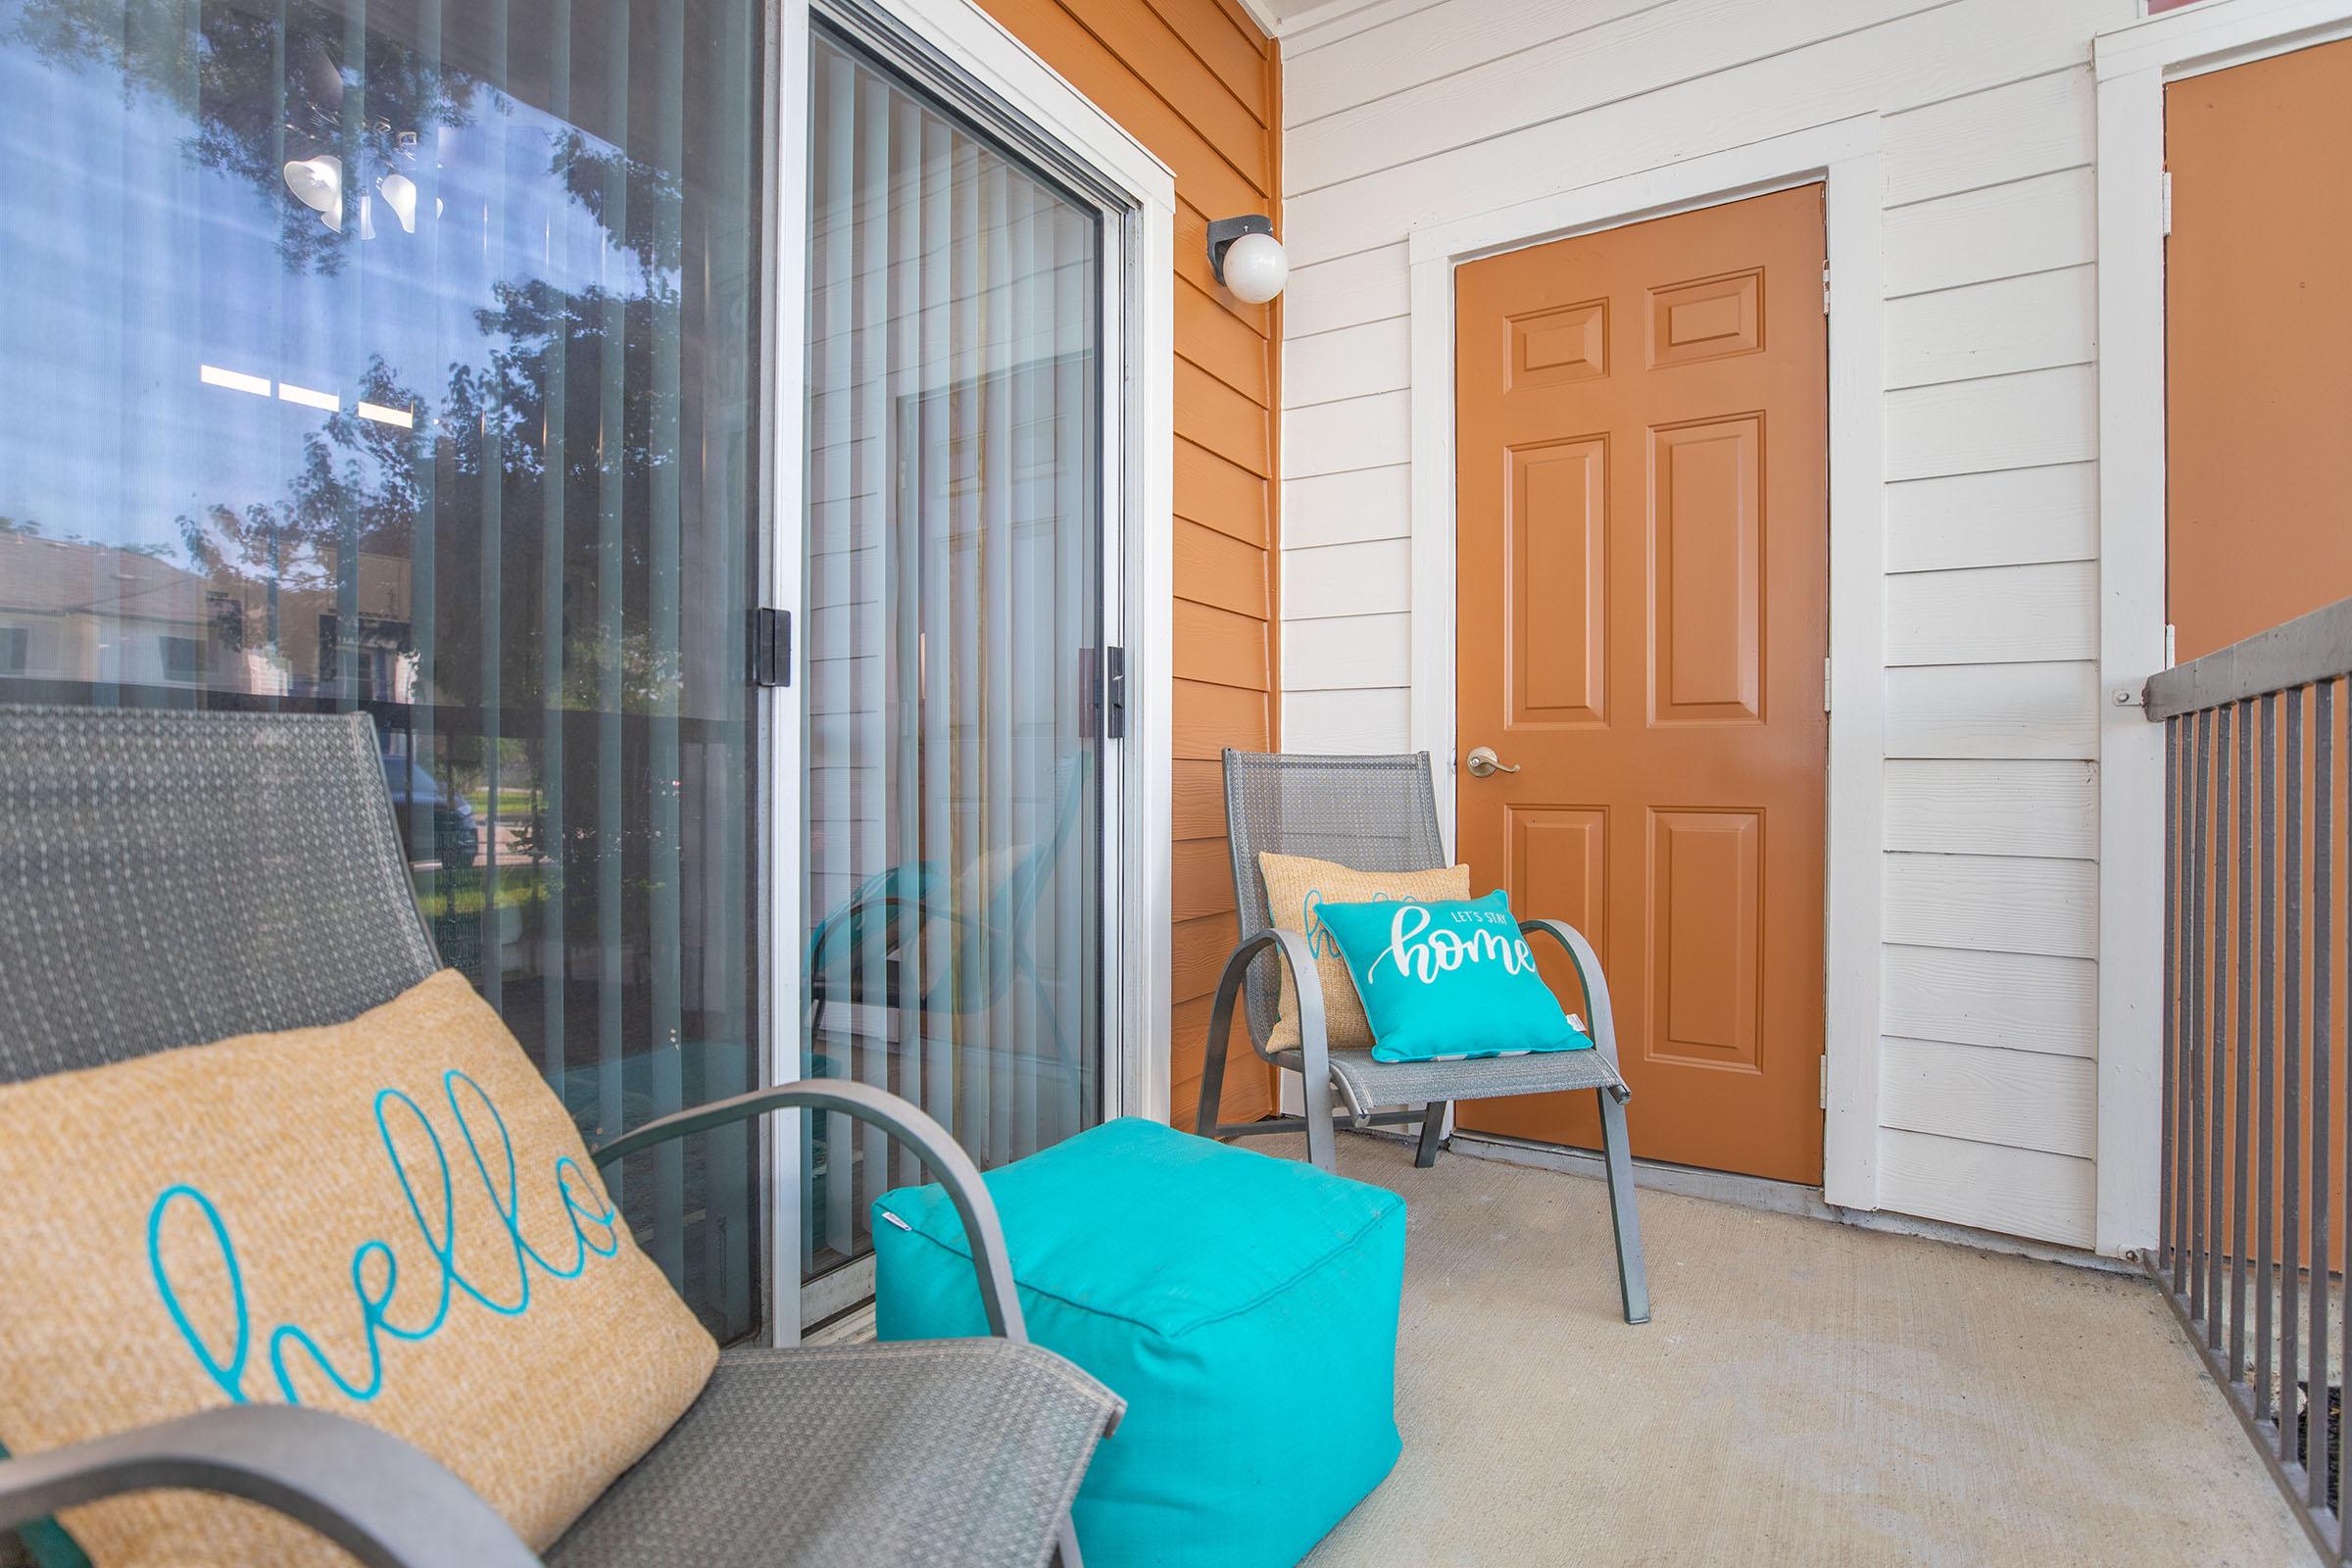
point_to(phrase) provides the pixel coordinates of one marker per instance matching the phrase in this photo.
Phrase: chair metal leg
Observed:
(1065, 1545)
(1633, 1282)
(1322, 1145)
(1322, 1141)
(1433, 1134)
(1212, 1087)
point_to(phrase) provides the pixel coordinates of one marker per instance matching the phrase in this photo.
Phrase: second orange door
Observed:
(1642, 615)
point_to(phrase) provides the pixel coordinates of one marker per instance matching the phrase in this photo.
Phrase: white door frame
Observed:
(1844, 154)
(1138, 603)
(2134, 64)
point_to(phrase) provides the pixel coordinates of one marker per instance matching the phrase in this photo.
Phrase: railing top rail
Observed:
(2298, 652)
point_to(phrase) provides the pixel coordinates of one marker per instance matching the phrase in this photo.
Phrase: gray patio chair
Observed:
(170, 878)
(1380, 814)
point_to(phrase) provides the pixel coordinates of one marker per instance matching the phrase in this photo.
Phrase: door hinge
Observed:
(1825, 1080)
(1825, 288)
(2168, 203)
(1825, 683)
(1114, 694)
(772, 647)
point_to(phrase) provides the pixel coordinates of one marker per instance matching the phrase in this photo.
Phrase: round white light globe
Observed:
(1255, 269)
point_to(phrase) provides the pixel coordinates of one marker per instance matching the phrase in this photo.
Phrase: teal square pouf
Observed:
(1244, 1306)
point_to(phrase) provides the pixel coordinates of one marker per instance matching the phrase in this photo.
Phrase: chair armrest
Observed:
(1314, 1045)
(1305, 979)
(388, 1504)
(904, 1122)
(1596, 989)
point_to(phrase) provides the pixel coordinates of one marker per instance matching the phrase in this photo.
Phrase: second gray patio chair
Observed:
(1380, 814)
(173, 878)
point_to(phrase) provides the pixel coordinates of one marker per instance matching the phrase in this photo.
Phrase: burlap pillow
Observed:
(1296, 886)
(184, 1231)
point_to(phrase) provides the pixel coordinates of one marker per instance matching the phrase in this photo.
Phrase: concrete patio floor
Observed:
(1807, 1392)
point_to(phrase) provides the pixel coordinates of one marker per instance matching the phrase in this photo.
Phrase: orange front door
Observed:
(1642, 576)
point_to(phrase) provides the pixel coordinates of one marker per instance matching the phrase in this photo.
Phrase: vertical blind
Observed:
(399, 355)
(954, 856)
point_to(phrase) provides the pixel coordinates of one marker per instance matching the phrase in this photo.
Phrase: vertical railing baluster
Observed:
(2218, 1098)
(2314, 1418)
(2324, 1049)
(2174, 1080)
(2323, 1108)
(2201, 1041)
(2266, 1058)
(2291, 1163)
(2242, 1050)
(2255, 1078)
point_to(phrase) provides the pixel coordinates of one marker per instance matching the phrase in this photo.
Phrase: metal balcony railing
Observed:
(2257, 1138)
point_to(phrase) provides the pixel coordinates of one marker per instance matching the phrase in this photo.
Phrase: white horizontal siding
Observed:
(1988, 138)
(1346, 653)
(1338, 509)
(2035, 323)
(1356, 722)
(1309, 29)
(1363, 433)
(1997, 903)
(2022, 1099)
(1366, 197)
(1373, 357)
(1994, 615)
(2008, 517)
(2026, 226)
(1433, 43)
(1412, 113)
(1990, 1185)
(1623, 58)
(1992, 808)
(2003, 422)
(2048, 711)
(1373, 285)
(2023, 1001)
(1361, 579)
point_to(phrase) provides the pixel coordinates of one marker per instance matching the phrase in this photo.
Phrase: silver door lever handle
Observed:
(1483, 761)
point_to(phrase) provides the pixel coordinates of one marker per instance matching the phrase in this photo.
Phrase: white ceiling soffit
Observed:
(1289, 19)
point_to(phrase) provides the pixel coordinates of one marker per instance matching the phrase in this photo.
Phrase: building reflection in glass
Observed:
(399, 354)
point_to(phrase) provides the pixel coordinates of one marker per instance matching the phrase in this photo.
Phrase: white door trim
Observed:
(2134, 63)
(1844, 154)
(1139, 422)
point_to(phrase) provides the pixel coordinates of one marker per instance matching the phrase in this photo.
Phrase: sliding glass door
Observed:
(955, 729)
(401, 354)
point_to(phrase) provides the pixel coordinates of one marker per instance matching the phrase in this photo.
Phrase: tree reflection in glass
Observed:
(400, 354)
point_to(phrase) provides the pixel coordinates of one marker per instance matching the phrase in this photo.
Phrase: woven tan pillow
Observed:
(268, 1164)
(1295, 885)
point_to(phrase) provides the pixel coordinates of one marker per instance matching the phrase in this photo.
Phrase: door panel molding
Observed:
(1843, 155)
(1557, 554)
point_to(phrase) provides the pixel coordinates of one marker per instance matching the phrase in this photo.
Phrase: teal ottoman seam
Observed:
(1278, 1287)
(1337, 1254)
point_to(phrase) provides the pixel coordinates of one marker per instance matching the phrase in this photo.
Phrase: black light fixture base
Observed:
(1223, 232)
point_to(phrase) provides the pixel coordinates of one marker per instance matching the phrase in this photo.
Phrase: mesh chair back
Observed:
(1373, 814)
(171, 878)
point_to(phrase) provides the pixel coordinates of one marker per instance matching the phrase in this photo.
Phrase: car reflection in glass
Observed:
(456, 840)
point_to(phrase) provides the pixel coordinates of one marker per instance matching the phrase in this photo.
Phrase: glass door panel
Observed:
(399, 354)
(953, 857)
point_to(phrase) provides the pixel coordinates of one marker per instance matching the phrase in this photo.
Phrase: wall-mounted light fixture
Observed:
(1246, 258)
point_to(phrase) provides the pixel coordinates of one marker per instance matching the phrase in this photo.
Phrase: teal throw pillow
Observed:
(1448, 979)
